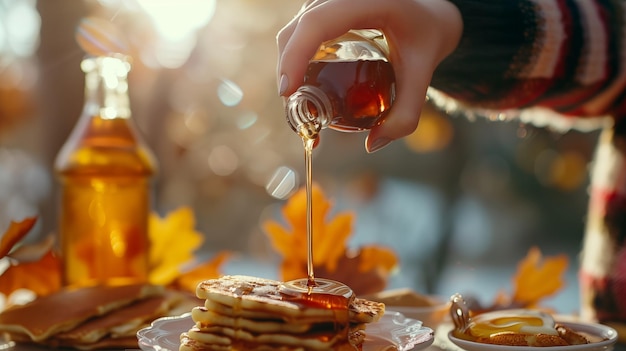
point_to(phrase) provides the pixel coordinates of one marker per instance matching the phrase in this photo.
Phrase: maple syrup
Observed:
(319, 292)
(522, 321)
(105, 171)
(349, 86)
(316, 292)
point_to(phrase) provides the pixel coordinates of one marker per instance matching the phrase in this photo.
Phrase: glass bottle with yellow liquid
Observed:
(105, 172)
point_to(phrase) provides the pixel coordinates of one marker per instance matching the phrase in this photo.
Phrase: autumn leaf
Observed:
(42, 276)
(173, 241)
(210, 269)
(362, 272)
(375, 257)
(538, 277)
(331, 257)
(329, 238)
(38, 272)
(16, 232)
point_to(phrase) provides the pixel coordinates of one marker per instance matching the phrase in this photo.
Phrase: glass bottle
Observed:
(105, 171)
(349, 86)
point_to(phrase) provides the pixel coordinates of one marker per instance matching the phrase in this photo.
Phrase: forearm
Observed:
(560, 54)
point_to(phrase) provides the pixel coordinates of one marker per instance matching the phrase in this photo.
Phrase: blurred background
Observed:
(461, 200)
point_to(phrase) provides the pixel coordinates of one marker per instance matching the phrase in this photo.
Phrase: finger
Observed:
(412, 81)
(284, 34)
(319, 23)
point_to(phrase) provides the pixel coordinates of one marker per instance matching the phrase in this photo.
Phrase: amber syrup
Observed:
(105, 205)
(310, 291)
(361, 91)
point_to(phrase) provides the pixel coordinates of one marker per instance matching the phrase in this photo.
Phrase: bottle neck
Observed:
(106, 87)
(308, 111)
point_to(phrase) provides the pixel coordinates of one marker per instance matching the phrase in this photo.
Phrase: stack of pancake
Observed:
(255, 314)
(98, 317)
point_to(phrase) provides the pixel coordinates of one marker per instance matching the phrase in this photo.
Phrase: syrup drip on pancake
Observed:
(326, 293)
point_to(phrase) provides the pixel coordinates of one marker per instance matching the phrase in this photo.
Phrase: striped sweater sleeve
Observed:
(568, 57)
(565, 55)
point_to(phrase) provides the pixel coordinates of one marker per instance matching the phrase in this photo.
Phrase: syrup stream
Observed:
(308, 156)
(315, 288)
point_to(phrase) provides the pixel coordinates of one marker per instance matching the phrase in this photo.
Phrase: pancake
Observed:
(570, 336)
(519, 339)
(66, 309)
(109, 343)
(254, 297)
(257, 314)
(205, 318)
(236, 340)
(565, 337)
(120, 322)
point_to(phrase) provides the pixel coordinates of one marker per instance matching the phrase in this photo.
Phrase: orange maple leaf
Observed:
(375, 257)
(210, 269)
(329, 238)
(331, 258)
(42, 277)
(538, 277)
(16, 232)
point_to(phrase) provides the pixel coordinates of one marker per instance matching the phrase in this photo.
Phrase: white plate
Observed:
(607, 336)
(393, 329)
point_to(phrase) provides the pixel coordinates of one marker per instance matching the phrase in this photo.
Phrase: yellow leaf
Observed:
(537, 278)
(173, 240)
(208, 270)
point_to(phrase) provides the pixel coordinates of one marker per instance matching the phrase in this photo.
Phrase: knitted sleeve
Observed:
(568, 57)
(565, 55)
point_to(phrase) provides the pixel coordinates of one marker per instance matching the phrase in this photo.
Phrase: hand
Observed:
(420, 34)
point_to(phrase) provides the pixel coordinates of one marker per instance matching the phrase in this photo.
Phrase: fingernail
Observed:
(282, 85)
(378, 144)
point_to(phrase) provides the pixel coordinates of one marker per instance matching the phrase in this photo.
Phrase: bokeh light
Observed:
(21, 26)
(223, 160)
(176, 23)
(229, 93)
(282, 184)
(565, 171)
(434, 132)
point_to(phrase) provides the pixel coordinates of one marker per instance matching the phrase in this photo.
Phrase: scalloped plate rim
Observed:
(154, 337)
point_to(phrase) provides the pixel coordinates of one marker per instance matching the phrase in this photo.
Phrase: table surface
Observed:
(438, 345)
(441, 343)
